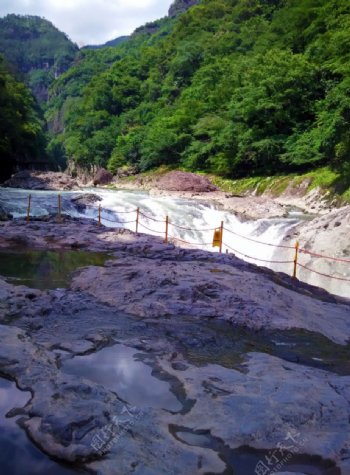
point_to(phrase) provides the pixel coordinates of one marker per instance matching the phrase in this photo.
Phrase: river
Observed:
(192, 221)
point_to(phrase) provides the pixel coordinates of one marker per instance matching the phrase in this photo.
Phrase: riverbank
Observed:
(223, 337)
(181, 281)
(314, 193)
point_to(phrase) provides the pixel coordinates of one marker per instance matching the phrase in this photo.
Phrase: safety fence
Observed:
(218, 238)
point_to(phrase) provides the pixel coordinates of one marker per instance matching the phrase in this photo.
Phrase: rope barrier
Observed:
(149, 229)
(190, 243)
(217, 240)
(150, 217)
(112, 211)
(117, 222)
(191, 229)
(322, 274)
(256, 258)
(283, 246)
(314, 254)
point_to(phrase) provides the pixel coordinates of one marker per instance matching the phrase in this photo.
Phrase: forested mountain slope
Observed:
(234, 87)
(22, 142)
(37, 50)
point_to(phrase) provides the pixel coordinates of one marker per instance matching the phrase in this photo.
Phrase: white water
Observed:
(199, 217)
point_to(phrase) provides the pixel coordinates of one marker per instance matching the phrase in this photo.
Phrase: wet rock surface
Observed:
(4, 215)
(81, 202)
(242, 383)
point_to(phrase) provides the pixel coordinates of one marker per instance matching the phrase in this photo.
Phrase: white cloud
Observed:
(91, 21)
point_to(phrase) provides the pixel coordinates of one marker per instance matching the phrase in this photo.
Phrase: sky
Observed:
(91, 21)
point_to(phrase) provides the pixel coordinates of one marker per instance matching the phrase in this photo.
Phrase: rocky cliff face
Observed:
(180, 6)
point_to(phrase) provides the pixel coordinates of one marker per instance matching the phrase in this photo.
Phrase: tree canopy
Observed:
(235, 87)
(22, 141)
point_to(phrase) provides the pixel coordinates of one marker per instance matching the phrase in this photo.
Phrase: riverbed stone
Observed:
(144, 298)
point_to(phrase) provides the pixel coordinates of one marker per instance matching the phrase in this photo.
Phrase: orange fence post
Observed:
(221, 234)
(99, 215)
(296, 260)
(137, 219)
(28, 208)
(166, 229)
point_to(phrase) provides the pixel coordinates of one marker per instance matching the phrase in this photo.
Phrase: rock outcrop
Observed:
(182, 181)
(4, 215)
(41, 181)
(102, 177)
(180, 6)
(81, 202)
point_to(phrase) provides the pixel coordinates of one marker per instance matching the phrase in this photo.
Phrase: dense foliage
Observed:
(22, 142)
(37, 49)
(235, 87)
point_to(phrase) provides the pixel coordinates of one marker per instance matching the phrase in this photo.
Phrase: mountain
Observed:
(110, 44)
(234, 88)
(37, 50)
(22, 140)
(176, 8)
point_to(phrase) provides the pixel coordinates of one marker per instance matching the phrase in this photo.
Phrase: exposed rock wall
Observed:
(180, 6)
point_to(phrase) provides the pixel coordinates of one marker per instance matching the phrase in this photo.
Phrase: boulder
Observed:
(182, 181)
(4, 215)
(81, 202)
(102, 177)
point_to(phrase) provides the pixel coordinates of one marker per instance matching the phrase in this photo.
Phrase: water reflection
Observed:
(117, 369)
(248, 461)
(18, 456)
(45, 269)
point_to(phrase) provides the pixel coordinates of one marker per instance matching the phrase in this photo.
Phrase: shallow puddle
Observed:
(45, 269)
(248, 461)
(18, 456)
(227, 345)
(120, 369)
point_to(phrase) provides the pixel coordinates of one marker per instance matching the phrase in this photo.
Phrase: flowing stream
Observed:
(199, 218)
(189, 220)
(132, 372)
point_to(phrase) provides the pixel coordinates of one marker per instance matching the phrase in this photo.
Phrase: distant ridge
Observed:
(38, 51)
(111, 43)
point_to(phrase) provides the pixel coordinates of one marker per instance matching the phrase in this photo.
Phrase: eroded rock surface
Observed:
(153, 279)
(170, 305)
